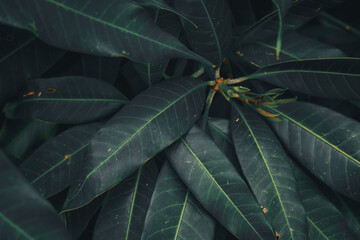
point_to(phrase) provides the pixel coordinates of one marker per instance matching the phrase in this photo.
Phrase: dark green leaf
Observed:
(294, 47)
(20, 137)
(22, 56)
(144, 127)
(23, 213)
(325, 221)
(214, 181)
(106, 28)
(332, 78)
(174, 213)
(212, 34)
(325, 142)
(267, 169)
(54, 165)
(123, 214)
(67, 100)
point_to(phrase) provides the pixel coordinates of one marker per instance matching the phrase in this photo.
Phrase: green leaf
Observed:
(124, 210)
(23, 213)
(266, 167)
(214, 181)
(152, 73)
(325, 221)
(20, 137)
(211, 35)
(325, 142)
(174, 213)
(54, 165)
(144, 127)
(294, 47)
(106, 28)
(22, 57)
(66, 100)
(331, 78)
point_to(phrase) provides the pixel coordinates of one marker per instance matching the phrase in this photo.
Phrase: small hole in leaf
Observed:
(51, 90)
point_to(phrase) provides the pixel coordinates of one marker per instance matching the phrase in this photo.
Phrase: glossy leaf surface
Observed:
(54, 165)
(174, 213)
(332, 78)
(17, 205)
(266, 166)
(144, 127)
(125, 207)
(325, 142)
(67, 100)
(214, 181)
(110, 29)
(212, 34)
(325, 221)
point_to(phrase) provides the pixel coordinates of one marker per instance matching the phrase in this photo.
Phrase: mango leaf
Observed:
(22, 56)
(294, 47)
(66, 100)
(217, 185)
(211, 35)
(266, 166)
(113, 28)
(124, 210)
(174, 213)
(337, 78)
(23, 213)
(144, 127)
(316, 136)
(152, 73)
(325, 221)
(76, 221)
(53, 166)
(19, 138)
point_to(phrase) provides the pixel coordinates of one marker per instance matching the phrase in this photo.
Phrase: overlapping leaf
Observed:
(211, 35)
(325, 142)
(174, 213)
(324, 219)
(67, 100)
(144, 127)
(124, 210)
(294, 47)
(331, 78)
(266, 167)
(214, 181)
(23, 213)
(106, 28)
(54, 165)
(22, 56)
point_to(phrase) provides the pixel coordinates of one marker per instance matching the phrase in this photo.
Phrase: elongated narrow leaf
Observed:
(324, 220)
(332, 78)
(123, 214)
(67, 100)
(106, 28)
(174, 213)
(212, 34)
(22, 56)
(144, 127)
(152, 73)
(325, 142)
(266, 166)
(54, 165)
(19, 138)
(23, 213)
(294, 47)
(214, 181)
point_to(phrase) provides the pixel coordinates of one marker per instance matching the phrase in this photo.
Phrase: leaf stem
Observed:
(198, 73)
(237, 80)
(209, 100)
(340, 23)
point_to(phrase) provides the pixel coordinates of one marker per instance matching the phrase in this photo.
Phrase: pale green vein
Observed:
(16, 227)
(220, 132)
(74, 100)
(181, 215)
(262, 74)
(318, 229)
(17, 49)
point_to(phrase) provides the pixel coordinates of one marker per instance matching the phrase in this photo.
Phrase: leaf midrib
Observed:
(318, 229)
(261, 74)
(17, 227)
(181, 215)
(74, 100)
(268, 169)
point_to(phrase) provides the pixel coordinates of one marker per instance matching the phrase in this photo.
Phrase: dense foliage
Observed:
(179, 119)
